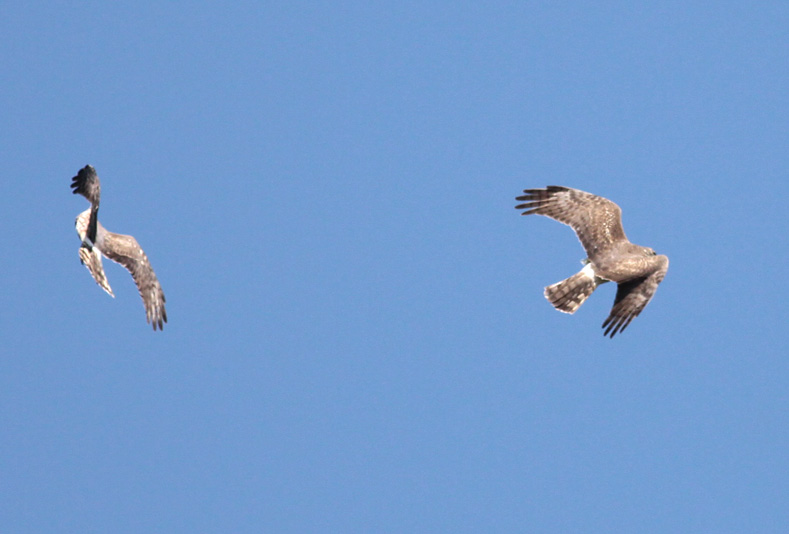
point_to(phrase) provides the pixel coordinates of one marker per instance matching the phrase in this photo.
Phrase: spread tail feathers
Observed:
(568, 295)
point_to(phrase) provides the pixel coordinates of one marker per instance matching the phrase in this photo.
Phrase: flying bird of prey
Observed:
(610, 256)
(123, 249)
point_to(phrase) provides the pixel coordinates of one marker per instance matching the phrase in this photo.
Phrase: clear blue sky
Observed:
(358, 340)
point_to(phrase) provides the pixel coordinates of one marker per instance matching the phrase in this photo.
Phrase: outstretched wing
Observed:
(91, 258)
(125, 250)
(86, 183)
(633, 296)
(596, 220)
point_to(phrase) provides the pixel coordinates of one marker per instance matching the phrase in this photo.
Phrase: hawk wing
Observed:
(596, 220)
(632, 297)
(86, 183)
(91, 258)
(125, 250)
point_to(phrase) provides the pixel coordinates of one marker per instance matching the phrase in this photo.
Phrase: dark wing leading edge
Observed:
(125, 250)
(596, 220)
(633, 296)
(86, 183)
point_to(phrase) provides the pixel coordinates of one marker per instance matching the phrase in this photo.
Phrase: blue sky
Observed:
(358, 340)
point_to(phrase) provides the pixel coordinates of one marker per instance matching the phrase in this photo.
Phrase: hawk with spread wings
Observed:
(610, 256)
(122, 249)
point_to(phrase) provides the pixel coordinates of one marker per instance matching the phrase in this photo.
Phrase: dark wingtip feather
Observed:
(616, 326)
(159, 321)
(78, 182)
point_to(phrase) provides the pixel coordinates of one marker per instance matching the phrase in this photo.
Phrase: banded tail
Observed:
(568, 295)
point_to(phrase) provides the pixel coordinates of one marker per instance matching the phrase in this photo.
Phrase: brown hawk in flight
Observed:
(122, 249)
(610, 256)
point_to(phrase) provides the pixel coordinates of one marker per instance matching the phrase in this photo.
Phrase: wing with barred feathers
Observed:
(633, 296)
(596, 220)
(92, 260)
(125, 250)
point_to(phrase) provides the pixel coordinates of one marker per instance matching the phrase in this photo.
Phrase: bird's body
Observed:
(611, 257)
(122, 249)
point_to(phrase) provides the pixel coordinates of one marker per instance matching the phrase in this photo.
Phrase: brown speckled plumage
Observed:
(611, 257)
(122, 249)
